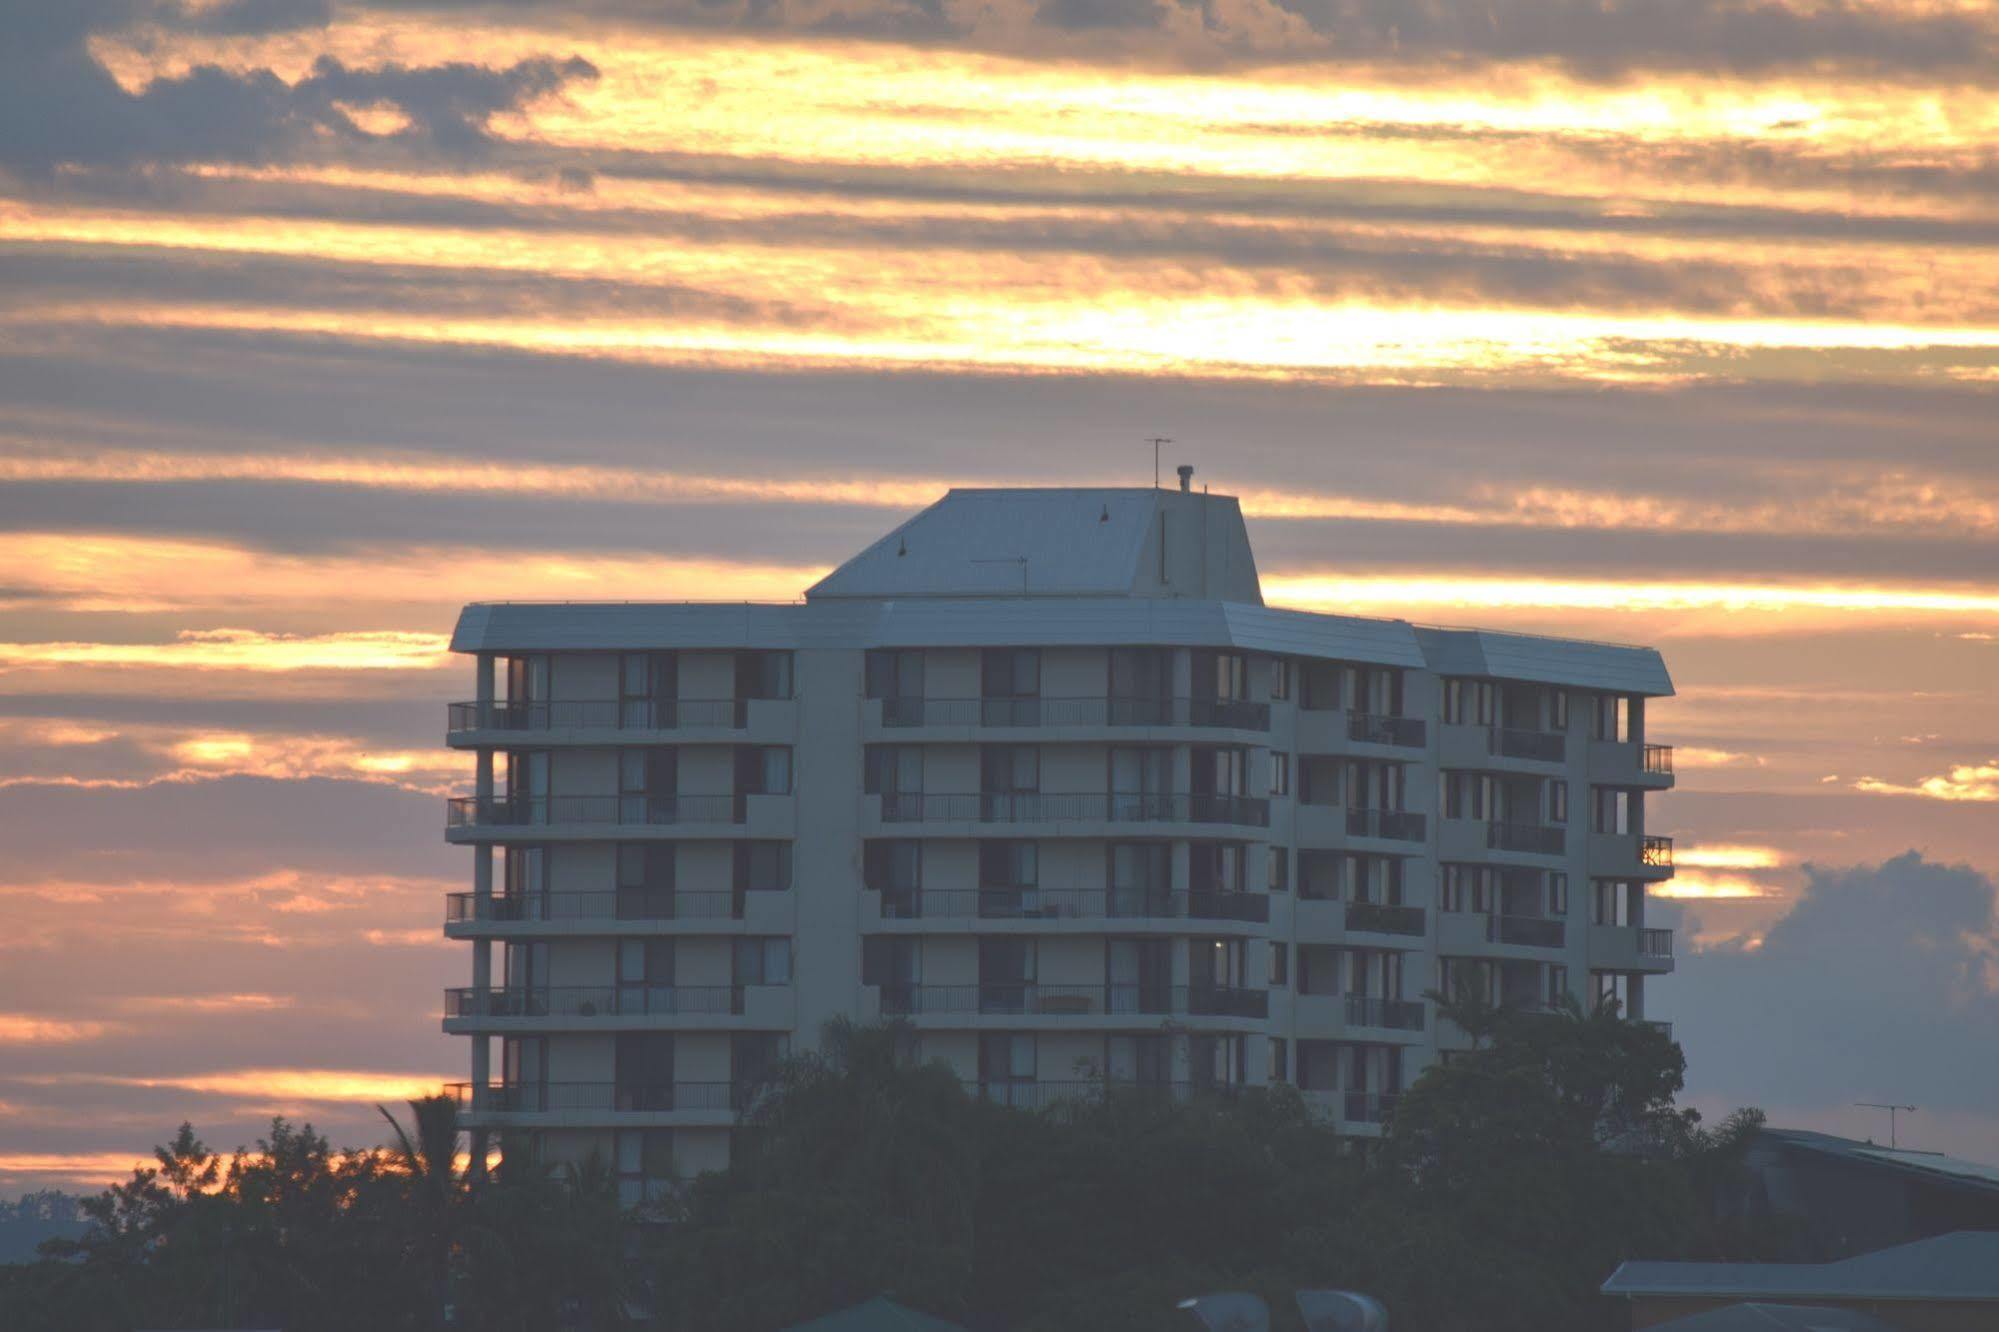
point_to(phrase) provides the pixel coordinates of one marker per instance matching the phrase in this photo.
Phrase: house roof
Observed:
(1963, 1265)
(879, 1314)
(1935, 1167)
(1775, 1318)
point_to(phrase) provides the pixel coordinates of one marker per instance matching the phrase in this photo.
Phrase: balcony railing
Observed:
(530, 811)
(1655, 943)
(1367, 1010)
(1532, 838)
(1396, 825)
(1656, 852)
(1359, 1107)
(1024, 1095)
(1073, 807)
(1113, 1000)
(1380, 918)
(1659, 758)
(1233, 714)
(586, 1001)
(1529, 931)
(629, 904)
(1370, 728)
(1071, 904)
(539, 1098)
(1516, 742)
(605, 714)
(1663, 1028)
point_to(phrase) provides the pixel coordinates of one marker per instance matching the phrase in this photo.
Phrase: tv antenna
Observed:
(1155, 442)
(1892, 1110)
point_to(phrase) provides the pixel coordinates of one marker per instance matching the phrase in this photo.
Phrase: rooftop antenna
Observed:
(1155, 442)
(1892, 1110)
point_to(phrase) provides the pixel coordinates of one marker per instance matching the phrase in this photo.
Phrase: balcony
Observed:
(601, 714)
(1074, 807)
(621, 810)
(1368, 728)
(1394, 825)
(1535, 746)
(575, 912)
(1658, 760)
(1379, 918)
(1630, 948)
(1629, 856)
(597, 1098)
(1010, 713)
(1029, 903)
(1532, 839)
(591, 1001)
(1623, 763)
(1028, 998)
(1363, 1107)
(1366, 1010)
(1025, 1095)
(1527, 931)
(1663, 1028)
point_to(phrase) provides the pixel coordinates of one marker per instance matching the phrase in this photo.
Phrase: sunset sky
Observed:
(1673, 323)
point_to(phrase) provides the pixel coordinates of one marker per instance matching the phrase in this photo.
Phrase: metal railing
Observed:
(586, 1001)
(1071, 904)
(1663, 1028)
(531, 811)
(1518, 742)
(1361, 1107)
(1658, 758)
(1029, 998)
(599, 714)
(1396, 825)
(1232, 714)
(1371, 728)
(1367, 1010)
(627, 904)
(1025, 1095)
(1533, 838)
(1529, 931)
(1656, 852)
(1655, 943)
(1380, 918)
(540, 1098)
(1073, 807)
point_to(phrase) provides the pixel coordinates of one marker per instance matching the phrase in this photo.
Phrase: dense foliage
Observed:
(1511, 1181)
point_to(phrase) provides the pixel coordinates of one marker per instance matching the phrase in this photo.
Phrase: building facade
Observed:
(1039, 773)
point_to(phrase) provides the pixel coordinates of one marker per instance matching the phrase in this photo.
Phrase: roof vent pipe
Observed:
(1186, 471)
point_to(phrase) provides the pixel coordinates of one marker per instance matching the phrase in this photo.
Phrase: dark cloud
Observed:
(1093, 15)
(1877, 985)
(256, 16)
(59, 105)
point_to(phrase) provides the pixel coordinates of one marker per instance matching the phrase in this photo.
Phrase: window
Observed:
(1612, 902)
(1220, 675)
(646, 880)
(645, 1166)
(1009, 769)
(763, 675)
(527, 680)
(1610, 719)
(1006, 1059)
(1612, 810)
(1216, 867)
(891, 960)
(894, 673)
(892, 865)
(1280, 773)
(1280, 869)
(1376, 690)
(1558, 709)
(1607, 987)
(763, 770)
(1280, 971)
(763, 961)
(1558, 802)
(1010, 673)
(1558, 893)
(648, 683)
(1468, 888)
(1469, 702)
(1280, 678)
(1558, 986)
(1141, 876)
(648, 780)
(763, 866)
(1280, 1059)
(892, 770)
(1008, 864)
(755, 1055)
(1467, 795)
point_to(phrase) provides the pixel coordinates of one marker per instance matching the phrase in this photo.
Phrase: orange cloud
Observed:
(1727, 856)
(1699, 885)
(207, 1003)
(243, 650)
(316, 1085)
(1978, 782)
(29, 1029)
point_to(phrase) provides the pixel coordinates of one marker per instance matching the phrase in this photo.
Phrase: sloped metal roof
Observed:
(1006, 543)
(1613, 667)
(1934, 1166)
(1775, 1318)
(1963, 1265)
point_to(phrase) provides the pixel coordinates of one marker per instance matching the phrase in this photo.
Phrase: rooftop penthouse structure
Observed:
(1039, 773)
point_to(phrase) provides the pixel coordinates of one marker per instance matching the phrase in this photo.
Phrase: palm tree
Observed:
(427, 1153)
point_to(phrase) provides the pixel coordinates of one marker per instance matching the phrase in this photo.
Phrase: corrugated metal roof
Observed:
(1933, 1165)
(1963, 1265)
(1006, 543)
(1616, 668)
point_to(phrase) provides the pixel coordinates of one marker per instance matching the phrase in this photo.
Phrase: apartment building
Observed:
(1039, 773)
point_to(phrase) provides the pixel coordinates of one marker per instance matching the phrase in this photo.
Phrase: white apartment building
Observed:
(1039, 773)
